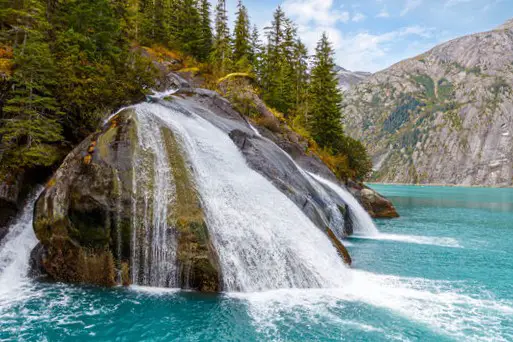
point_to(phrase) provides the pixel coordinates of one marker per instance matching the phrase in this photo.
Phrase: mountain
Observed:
(347, 78)
(444, 117)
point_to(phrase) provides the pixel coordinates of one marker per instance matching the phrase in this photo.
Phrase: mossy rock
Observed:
(197, 259)
(87, 200)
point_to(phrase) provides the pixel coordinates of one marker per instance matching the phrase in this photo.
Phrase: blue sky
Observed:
(370, 35)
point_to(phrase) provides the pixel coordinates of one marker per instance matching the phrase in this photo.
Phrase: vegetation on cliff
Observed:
(64, 64)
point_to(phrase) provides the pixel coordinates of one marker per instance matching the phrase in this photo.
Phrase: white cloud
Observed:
(410, 5)
(451, 3)
(317, 11)
(383, 13)
(358, 17)
(355, 50)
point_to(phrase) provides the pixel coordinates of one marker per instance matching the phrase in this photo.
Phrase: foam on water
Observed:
(437, 304)
(416, 239)
(157, 291)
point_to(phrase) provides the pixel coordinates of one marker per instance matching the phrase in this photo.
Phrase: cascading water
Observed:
(153, 240)
(362, 222)
(15, 249)
(264, 240)
(334, 218)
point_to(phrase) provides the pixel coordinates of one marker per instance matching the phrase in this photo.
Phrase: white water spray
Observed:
(15, 250)
(362, 222)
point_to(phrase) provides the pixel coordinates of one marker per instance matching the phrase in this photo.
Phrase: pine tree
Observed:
(160, 31)
(256, 47)
(278, 64)
(145, 30)
(30, 129)
(221, 53)
(205, 31)
(273, 61)
(300, 78)
(189, 33)
(326, 98)
(242, 42)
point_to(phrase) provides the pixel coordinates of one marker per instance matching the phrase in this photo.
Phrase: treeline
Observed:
(64, 63)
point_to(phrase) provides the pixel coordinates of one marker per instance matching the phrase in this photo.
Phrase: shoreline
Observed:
(443, 185)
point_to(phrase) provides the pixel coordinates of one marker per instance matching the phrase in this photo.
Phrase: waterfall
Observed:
(16, 247)
(263, 239)
(362, 222)
(153, 241)
(334, 220)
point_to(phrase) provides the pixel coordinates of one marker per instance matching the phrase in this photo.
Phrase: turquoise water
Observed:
(441, 272)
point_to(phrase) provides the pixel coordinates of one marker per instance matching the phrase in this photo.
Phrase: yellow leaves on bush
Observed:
(270, 123)
(6, 63)
(162, 54)
(277, 115)
(236, 74)
(337, 163)
(194, 70)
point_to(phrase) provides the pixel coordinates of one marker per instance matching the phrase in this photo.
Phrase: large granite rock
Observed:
(85, 219)
(97, 216)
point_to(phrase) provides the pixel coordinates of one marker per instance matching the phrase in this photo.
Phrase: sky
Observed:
(371, 35)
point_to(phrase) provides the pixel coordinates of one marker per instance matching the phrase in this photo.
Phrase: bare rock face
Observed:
(348, 79)
(444, 117)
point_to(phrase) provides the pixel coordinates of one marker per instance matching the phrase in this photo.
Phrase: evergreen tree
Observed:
(300, 78)
(221, 54)
(145, 30)
(189, 30)
(278, 64)
(30, 129)
(273, 61)
(242, 42)
(160, 31)
(255, 48)
(205, 30)
(326, 98)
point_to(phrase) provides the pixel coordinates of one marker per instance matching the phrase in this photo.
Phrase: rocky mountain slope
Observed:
(348, 79)
(444, 117)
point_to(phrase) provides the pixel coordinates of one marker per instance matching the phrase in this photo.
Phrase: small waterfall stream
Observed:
(16, 247)
(362, 222)
(153, 243)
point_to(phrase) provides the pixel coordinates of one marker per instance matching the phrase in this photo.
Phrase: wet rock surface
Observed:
(95, 216)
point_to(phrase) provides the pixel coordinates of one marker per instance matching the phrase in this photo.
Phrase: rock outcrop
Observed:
(85, 218)
(376, 205)
(444, 117)
(126, 198)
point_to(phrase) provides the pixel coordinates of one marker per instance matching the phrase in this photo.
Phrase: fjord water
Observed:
(440, 272)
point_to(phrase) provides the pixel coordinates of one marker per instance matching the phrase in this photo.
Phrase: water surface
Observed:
(441, 272)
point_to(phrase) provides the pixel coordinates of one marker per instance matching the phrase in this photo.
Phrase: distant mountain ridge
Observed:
(443, 117)
(348, 79)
